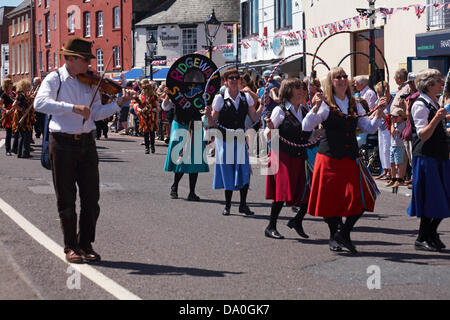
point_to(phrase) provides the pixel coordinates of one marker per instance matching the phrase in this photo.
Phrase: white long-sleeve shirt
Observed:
(370, 96)
(420, 112)
(72, 92)
(312, 119)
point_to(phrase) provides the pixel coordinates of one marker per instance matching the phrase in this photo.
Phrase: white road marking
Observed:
(2, 143)
(89, 272)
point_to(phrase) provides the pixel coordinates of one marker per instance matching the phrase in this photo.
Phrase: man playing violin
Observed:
(73, 154)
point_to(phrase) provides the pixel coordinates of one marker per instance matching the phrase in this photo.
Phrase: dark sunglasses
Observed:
(234, 77)
(341, 77)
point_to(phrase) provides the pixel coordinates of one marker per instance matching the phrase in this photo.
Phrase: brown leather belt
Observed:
(76, 137)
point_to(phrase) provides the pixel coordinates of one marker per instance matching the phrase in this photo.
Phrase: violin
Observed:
(107, 86)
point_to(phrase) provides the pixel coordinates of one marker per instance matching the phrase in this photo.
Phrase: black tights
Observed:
(149, 139)
(229, 194)
(428, 228)
(347, 227)
(192, 181)
(276, 209)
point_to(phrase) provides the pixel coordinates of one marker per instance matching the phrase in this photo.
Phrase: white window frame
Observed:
(55, 57)
(13, 60)
(26, 22)
(87, 24)
(39, 28)
(283, 14)
(47, 22)
(18, 58)
(54, 21)
(27, 66)
(99, 55)
(48, 57)
(116, 56)
(13, 28)
(22, 57)
(189, 45)
(100, 24)
(116, 17)
(41, 61)
(71, 22)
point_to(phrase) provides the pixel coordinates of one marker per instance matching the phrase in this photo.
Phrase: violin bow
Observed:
(98, 84)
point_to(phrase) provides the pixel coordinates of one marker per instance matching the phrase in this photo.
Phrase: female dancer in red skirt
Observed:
(7, 115)
(341, 186)
(286, 182)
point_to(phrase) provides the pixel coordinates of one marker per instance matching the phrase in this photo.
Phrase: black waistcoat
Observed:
(437, 145)
(339, 137)
(231, 118)
(291, 130)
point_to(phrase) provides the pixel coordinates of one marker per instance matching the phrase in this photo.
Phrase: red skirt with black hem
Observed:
(338, 188)
(287, 179)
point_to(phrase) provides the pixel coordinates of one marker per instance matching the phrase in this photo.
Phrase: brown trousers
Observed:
(75, 163)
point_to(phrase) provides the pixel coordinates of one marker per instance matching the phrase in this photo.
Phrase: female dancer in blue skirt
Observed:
(232, 167)
(430, 199)
(185, 151)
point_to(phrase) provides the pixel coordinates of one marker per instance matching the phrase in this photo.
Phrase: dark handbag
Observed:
(45, 154)
(407, 132)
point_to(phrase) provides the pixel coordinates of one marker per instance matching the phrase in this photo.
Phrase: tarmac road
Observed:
(153, 247)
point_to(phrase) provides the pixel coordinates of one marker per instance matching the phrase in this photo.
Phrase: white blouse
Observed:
(218, 101)
(312, 119)
(420, 112)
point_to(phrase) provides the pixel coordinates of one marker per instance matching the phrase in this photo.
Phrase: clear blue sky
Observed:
(10, 3)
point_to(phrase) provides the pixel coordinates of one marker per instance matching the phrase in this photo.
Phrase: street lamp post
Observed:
(372, 73)
(149, 55)
(370, 14)
(211, 28)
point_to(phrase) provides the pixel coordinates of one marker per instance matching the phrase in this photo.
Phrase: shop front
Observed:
(432, 51)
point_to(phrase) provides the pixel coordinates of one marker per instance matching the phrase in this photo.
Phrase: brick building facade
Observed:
(20, 39)
(107, 24)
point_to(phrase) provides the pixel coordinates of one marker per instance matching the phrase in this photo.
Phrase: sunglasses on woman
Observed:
(341, 77)
(234, 77)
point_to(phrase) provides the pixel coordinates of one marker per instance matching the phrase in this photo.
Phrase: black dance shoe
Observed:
(272, 233)
(344, 242)
(153, 149)
(437, 242)
(246, 210)
(294, 224)
(226, 211)
(193, 197)
(147, 150)
(334, 246)
(425, 245)
(173, 193)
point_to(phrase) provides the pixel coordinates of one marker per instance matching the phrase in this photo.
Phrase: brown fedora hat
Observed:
(78, 47)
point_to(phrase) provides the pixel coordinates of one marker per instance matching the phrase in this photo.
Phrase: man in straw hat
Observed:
(73, 153)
